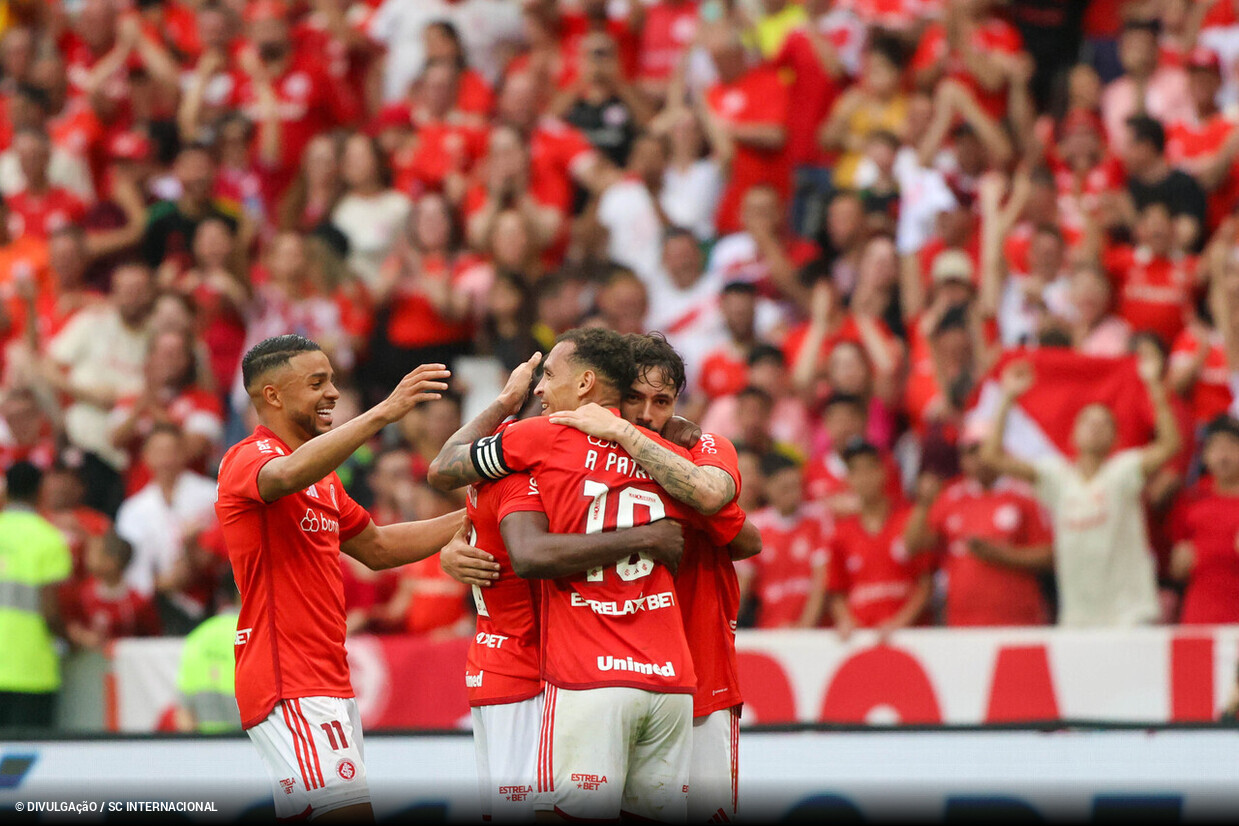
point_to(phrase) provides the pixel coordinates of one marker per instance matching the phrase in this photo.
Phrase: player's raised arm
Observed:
(537, 553)
(320, 456)
(389, 546)
(454, 466)
(705, 489)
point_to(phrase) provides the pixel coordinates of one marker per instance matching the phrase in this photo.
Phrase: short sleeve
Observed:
(238, 475)
(725, 525)
(1049, 481)
(518, 447)
(518, 493)
(353, 517)
(1126, 472)
(713, 450)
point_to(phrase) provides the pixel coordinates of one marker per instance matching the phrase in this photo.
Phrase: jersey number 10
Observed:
(624, 516)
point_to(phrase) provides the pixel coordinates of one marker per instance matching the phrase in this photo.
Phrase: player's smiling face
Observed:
(561, 380)
(309, 394)
(649, 402)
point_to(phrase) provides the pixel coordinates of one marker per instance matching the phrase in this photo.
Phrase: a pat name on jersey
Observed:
(616, 461)
(650, 602)
(608, 663)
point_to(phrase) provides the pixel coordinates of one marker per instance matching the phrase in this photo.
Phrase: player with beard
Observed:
(286, 517)
(617, 715)
(705, 582)
(503, 669)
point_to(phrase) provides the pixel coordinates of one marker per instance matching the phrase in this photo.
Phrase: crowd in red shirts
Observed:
(841, 213)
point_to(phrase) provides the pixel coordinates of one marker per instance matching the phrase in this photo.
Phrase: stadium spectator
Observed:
(873, 581)
(158, 520)
(26, 433)
(39, 206)
(788, 578)
(104, 607)
(36, 562)
(96, 360)
(171, 224)
(206, 676)
(699, 154)
(603, 104)
(60, 502)
(1102, 559)
(370, 213)
(1147, 85)
(1150, 178)
(317, 188)
(993, 538)
(1206, 532)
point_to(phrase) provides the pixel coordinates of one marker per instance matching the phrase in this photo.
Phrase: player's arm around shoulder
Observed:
(475, 452)
(706, 489)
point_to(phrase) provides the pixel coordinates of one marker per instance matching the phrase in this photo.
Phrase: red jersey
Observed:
(724, 373)
(826, 482)
(1107, 176)
(989, 37)
(41, 215)
(848, 330)
(709, 593)
(813, 88)
(616, 625)
(874, 571)
(793, 547)
(309, 102)
(193, 410)
(441, 148)
(1210, 521)
(504, 664)
(438, 601)
(285, 556)
(1210, 395)
(1153, 293)
(757, 96)
(1188, 141)
(556, 152)
(668, 31)
(979, 592)
(112, 612)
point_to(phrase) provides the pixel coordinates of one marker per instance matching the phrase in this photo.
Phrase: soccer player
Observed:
(503, 670)
(285, 518)
(706, 583)
(615, 658)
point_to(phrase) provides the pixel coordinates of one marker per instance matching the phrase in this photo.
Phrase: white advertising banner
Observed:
(921, 676)
(1000, 776)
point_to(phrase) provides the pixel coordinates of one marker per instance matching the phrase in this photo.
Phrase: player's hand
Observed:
(465, 563)
(592, 419)
(1017, 377)
(665, 542)
(516, 390)
(680, 431)
(422, 385)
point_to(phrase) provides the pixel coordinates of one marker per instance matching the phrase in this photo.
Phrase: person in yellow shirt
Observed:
(877, 103)
(778, 19)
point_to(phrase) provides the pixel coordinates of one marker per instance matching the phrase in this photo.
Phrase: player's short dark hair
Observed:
(606, 352)
(741, 287)
(1145, 129)
(22, 481)
(652, 351)
(857, 447)
(118, 548)
(273, 352)
(774, 462)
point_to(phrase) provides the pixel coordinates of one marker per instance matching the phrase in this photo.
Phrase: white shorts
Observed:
(715, 775)
(505, 738)
(312, 748)
(617, 751)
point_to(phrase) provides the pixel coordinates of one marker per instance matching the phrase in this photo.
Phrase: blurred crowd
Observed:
(840, 212)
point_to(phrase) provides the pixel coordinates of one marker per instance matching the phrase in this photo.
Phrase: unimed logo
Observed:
(609, 663)
(14, 768)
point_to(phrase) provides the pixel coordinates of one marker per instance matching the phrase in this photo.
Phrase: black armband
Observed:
(487, 457)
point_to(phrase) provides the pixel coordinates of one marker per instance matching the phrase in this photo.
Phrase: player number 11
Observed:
(597, 520)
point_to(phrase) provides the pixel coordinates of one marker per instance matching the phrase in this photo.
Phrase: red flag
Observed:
(1066, 382)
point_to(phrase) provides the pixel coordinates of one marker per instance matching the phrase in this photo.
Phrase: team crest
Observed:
(346, 769)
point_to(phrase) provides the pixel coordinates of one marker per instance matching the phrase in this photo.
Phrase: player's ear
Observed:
(271, 395)
(586, 383)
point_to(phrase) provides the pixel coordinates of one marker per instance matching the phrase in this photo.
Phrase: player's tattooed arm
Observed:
(706, 490)
(539, 554)
(454, 467)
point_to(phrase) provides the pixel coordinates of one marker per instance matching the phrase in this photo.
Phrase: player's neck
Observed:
(285, 432)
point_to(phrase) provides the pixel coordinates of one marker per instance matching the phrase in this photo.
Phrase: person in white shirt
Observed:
(371, 214)
(1102, 558)
(174, 506)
